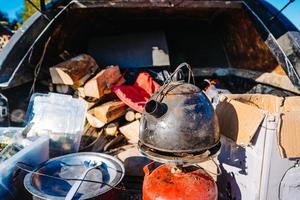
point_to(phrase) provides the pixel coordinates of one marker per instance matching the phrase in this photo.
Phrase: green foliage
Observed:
(29, 9)
(3, 18)
(4, 21)
(21, 15)
(11, 24)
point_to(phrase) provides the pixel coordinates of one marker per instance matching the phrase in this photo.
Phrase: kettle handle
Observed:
(170, 78)
(191, 74)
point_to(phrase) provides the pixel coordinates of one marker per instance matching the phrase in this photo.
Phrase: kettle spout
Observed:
(155, 108)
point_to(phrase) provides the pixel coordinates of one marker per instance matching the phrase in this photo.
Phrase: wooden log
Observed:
(131, 131)
(101, 142)
(63, 89)
(93, 102)
(89, 130)
(111, 129)
(89, 135)
(93, 121)
(102, 82)
(114, 142)
(109, 111)
(90, 104)
(75, 71)
(106, 98)
(138, 115)
(80, 92)
(91, 88)
(130, 116)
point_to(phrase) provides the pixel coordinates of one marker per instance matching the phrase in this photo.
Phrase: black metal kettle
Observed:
(179, 118)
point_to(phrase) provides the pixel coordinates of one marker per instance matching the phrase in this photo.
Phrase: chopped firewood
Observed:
(117, 150)
(130, 116)
(98, 141)
(88, 130)
(113, 76)
(80, 92)
(138, 115)
(63, 89)
(118, 139)
(131, 131)
(89, 104)
(96, 86)
(109, 111)
(101, 141)
(104, 99)
(111, 129)
(91, 99)
(75, 71)
(93, 121)
(102, 82)
(93, 102)
(90, 135)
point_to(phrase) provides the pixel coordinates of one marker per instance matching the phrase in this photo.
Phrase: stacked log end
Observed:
(101, 84)
(75, 71)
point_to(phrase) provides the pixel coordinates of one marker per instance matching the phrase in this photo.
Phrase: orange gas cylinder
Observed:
(168, 182)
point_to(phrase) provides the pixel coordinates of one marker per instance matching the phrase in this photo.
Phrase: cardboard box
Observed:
(241, 115)
(260, 141)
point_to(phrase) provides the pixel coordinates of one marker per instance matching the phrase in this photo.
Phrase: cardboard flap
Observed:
(240, 115)
(291, 104)
(289, 134)
(238, 121)
(265, 102)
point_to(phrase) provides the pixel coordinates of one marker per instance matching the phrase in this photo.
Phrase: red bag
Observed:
(137, 95)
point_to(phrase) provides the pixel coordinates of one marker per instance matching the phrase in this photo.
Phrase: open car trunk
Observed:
(215, 38)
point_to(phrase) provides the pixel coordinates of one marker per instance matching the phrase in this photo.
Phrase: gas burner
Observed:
(179, 158)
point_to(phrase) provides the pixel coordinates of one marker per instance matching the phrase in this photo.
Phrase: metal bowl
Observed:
(70, 166)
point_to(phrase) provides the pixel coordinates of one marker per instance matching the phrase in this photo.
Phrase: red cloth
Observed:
(136, 95)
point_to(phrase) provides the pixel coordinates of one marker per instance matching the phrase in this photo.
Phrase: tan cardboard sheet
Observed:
(289, 134)
(238, 121)
(240, 115)
(289, 131)
(291, 104)
(265, 102)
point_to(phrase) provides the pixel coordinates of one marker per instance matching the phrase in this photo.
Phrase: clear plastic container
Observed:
(61, 117)
(32, 151)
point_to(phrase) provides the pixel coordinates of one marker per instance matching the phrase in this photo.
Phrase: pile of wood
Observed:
(109, 120)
